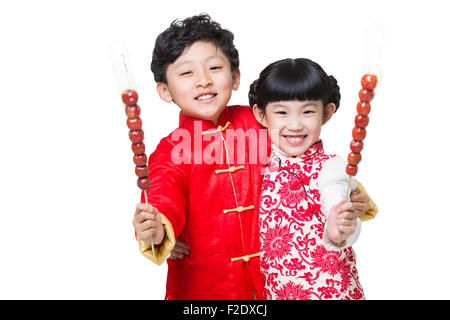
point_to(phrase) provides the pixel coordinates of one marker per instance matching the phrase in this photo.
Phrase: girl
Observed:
(306, 226)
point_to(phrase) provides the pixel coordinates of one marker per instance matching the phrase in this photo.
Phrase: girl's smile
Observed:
(294, 126)
(294, 140)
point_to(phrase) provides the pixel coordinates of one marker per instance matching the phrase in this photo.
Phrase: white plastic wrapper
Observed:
(121, 65)
(373, 48)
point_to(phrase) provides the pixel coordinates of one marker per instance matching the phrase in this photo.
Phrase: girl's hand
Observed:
(147, 224)
(360, 201)
(342, 219)
(179, 251)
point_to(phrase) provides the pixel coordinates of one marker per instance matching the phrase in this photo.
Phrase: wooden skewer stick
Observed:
(347, 195)
(146, 201)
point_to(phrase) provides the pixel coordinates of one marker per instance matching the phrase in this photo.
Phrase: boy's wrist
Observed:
(162, 238)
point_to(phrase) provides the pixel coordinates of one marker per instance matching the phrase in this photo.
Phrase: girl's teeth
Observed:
(294, 139)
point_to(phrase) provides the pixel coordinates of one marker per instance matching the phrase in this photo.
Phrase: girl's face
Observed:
(294, 126)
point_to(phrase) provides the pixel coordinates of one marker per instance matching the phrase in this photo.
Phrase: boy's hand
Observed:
(179, 251)
(360, 201)
(147, 224)
(341, 219)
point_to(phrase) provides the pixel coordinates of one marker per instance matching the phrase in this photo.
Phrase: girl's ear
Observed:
(236, 79)
(328, 112)
(259, 115)
(163, 91)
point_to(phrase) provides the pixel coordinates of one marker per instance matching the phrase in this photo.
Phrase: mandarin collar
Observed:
(186, 121)
(315, 149)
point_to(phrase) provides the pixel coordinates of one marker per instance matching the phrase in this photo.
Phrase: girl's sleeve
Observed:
(167, 193)
(332, 183)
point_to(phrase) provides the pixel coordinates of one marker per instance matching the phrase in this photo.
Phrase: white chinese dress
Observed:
(297, 259)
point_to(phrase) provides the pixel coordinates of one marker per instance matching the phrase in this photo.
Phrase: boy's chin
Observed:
(211, 116)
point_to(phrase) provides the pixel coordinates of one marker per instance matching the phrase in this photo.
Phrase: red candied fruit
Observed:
(130, 97)
(136, 136)
(143, 183)
(132, 111)
(354, 158)
(356, 146)
(140, 159)
(361, 121)
(369, 81)
(134, 123)
(366, 95)
(141, 171)
(138, 148)
(358, 133)
(363, 108)
(351, 170)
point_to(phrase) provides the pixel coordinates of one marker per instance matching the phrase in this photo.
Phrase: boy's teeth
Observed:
(206, 96)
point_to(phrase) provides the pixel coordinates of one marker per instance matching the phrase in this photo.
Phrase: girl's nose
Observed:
(295, 123)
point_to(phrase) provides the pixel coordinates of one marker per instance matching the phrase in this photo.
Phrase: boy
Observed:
(202, 192)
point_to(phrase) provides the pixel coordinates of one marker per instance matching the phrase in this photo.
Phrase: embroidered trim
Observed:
(246, 258)
(219, 129)
(239, 209)
(230, 169)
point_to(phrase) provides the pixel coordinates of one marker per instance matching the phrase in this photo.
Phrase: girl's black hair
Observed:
(171, 43)
(294, 79)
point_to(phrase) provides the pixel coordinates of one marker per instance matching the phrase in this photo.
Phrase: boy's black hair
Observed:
(294, 79)
(171, 43)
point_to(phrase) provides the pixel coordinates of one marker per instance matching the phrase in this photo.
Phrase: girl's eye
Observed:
(186, 73)
(281, 112)
(309, 112)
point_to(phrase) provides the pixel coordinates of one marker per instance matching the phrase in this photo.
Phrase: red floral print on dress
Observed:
(327, 261)
(292, 291)
(292, 192)
(295, 263)
(277, 242)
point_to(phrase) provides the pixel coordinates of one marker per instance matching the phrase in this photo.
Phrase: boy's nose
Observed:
(204, 79)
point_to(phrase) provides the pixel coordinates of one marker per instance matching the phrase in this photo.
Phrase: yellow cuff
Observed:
(162, 251)
(373, 209)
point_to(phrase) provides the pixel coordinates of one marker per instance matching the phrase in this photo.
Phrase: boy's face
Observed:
(200, 81)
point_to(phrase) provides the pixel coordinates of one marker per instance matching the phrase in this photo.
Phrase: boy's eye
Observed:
(308, 112)
(185, 73)
(216, 68)
(281, 112)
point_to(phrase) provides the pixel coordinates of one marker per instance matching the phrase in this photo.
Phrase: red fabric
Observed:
(192, 196)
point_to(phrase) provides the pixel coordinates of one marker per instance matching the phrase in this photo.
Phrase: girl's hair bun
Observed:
(335, 95)
(252, 93)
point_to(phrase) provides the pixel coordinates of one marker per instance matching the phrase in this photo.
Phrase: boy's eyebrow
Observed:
(190, 61)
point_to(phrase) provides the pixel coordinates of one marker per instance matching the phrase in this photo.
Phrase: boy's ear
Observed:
(259, 115)
(328, 112)
(163, 91)
(236, 79)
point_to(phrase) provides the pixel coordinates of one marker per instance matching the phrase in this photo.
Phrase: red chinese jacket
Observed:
(205, 182)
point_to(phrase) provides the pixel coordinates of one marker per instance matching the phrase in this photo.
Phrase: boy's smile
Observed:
(200, 81)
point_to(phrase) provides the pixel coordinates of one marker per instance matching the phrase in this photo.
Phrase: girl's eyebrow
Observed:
(307, 104)
(279, 105)
(311, 104)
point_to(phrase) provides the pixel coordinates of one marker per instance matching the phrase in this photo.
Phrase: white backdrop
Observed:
(67, 183)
